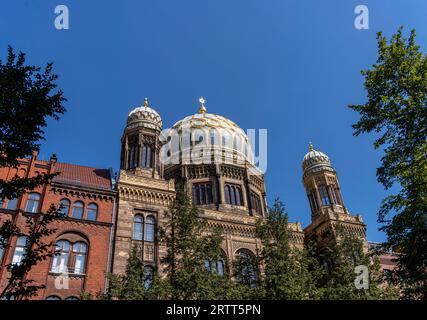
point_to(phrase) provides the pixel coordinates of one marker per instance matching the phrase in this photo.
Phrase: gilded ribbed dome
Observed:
(212, 130)
(315, 160)
(145, 116)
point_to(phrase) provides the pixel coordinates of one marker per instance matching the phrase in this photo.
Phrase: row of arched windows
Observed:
(78, 210)
(68, 258)
(143, 228)
(140, 156)
(245, 262)
(202, 193)
(233, 195)
(328, 195)
(71, 257)
(58, 298)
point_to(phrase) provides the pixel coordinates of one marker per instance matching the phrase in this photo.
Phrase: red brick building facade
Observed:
(83, 238)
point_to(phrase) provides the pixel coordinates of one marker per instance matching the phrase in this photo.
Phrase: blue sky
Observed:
(291, 67)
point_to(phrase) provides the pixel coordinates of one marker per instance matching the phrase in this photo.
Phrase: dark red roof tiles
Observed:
(85, 176)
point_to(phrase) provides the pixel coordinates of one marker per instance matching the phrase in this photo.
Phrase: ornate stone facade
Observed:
(212, 161)
(324, 195)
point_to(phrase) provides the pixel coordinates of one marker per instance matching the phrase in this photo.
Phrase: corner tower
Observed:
(326, 202)
(141, 143)
(143, 194)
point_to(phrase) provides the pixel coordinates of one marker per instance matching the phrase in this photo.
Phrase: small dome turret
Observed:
(144, 116)
(315, 160)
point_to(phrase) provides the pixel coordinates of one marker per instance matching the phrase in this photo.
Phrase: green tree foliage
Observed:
(134, 284)
(339, 257)
(28, 96)
(37, 249)
(287, 274)
(396, 110)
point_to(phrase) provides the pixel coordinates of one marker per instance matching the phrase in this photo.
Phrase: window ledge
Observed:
(70, 275)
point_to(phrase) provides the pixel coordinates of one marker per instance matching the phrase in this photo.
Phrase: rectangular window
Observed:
(334, 193)
(80, 263)
(324, 195)
(2, 246)
(60, 263)
(12, 204)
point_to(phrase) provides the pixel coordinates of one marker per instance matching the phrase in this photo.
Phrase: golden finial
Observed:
(202, 108)
(146, 102)
(310, 146)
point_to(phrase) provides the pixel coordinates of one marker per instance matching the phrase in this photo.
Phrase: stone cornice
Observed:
(139, 181)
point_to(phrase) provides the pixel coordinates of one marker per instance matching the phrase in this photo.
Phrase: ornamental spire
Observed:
(202, 108)
(310, 146)
(146, 102)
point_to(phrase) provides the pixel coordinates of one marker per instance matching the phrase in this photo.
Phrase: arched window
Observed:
(148, 277)
(202, 190)
(324, 195)
(256, 202)
(138, 227)
(20, 250)
(70, 257)
(79, 253)
(78, 210)
(202, 193)
(149, 228)
(61, 257)
(313, 199)
(196, 192)
(238, 197)
(53, 298)
(64, 207)
(12, 204)
(91, 212)
(217, 266)
(2, 246)
(233, 195)
(132, 158)
(246, 268)
(334, 193)
(146, 156)
(72, 298)
(33, 202)
(227, 194)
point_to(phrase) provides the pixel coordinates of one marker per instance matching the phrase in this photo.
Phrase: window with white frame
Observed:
(33, 202)
(20, 250)
(70, 257)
